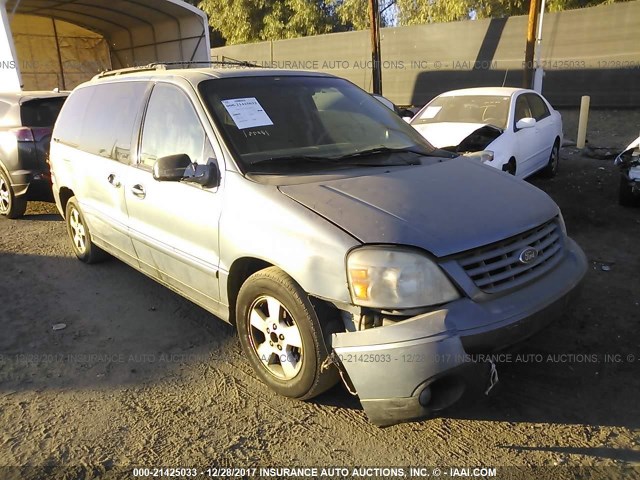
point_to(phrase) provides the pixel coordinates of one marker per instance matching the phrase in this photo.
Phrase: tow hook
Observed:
(334, 359)
(493, 377)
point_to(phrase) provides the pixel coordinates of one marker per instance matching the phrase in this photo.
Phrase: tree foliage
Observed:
(242, 21)
(352, 14)
(416, 12)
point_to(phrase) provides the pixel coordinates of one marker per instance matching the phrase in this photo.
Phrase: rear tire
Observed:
(551, 169)
(626, 197)
(282, 336)
(10, 205)
(80, 236)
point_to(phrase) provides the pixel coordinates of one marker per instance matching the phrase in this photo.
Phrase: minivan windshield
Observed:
(288, 122)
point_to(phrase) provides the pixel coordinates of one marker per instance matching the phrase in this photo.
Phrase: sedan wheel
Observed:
(510, 167)
(551, 168)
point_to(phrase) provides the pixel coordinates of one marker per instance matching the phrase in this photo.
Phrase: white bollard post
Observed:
(582, 123)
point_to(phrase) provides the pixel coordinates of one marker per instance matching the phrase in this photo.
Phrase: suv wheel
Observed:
(281, 335)
(80, 236)
(10, 205)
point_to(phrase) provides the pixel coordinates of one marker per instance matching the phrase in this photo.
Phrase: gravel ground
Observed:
(142, 377)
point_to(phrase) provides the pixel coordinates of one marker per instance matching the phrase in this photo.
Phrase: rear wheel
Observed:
(80, 235)
(282, 336)
(551, 168)
(10, 205)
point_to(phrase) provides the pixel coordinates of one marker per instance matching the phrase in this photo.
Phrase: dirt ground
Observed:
(142, 377)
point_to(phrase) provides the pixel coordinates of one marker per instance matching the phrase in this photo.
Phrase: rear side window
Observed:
(41, 112)
(68, 129)
(539, 109)
(100, 119)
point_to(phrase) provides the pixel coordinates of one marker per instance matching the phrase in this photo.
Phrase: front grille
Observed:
(497, 267)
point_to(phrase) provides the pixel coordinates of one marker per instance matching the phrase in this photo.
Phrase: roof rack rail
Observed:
(164, 66)
(124, 71)
(227, 61)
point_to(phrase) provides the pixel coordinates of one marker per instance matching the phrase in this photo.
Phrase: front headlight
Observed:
(484, 156)
(396, 278)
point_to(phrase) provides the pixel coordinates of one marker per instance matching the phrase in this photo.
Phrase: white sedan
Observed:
(513, 129)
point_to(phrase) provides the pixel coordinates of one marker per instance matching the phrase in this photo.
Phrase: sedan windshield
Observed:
(285, 122)
(484, 109)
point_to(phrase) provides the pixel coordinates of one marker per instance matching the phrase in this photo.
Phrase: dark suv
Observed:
(26, 122)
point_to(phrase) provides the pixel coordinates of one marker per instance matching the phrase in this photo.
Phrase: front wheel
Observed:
(510, 167)
(10, 205)
(282, 336)
(80, 235)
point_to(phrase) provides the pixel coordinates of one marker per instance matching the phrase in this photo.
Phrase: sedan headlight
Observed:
(484, 156)
(396, 278)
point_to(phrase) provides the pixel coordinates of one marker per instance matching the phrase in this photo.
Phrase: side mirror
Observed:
(171, 168)
(206, 175)
(527, 122)
(405, 112)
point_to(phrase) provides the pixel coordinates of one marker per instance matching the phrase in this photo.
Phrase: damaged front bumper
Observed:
(422, 365)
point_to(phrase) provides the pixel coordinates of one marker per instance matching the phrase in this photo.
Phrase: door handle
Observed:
(112, 179)
(138, 191)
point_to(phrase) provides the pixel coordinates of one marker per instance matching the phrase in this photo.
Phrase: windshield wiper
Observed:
(289, 159)
(382, 150)
(350, 160)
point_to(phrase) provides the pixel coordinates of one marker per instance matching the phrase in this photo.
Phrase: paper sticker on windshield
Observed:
(431, 112)
(247, 112)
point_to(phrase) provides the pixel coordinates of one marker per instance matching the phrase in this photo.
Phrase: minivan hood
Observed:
(444, 208)
(446, 134)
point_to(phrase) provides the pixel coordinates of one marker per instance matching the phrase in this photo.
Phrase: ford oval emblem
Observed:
(528, 255)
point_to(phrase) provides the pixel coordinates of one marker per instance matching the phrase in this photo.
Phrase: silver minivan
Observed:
(297, 207)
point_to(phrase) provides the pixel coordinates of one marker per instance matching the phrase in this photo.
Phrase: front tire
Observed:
(80, 236)
(10, 205)
(282, 336)
(510, 167)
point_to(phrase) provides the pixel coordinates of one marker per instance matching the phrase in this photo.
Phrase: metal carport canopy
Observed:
(138, 31)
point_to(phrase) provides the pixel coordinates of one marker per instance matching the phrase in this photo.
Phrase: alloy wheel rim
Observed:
(5, 196)
(78, 232)
(275, 338)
